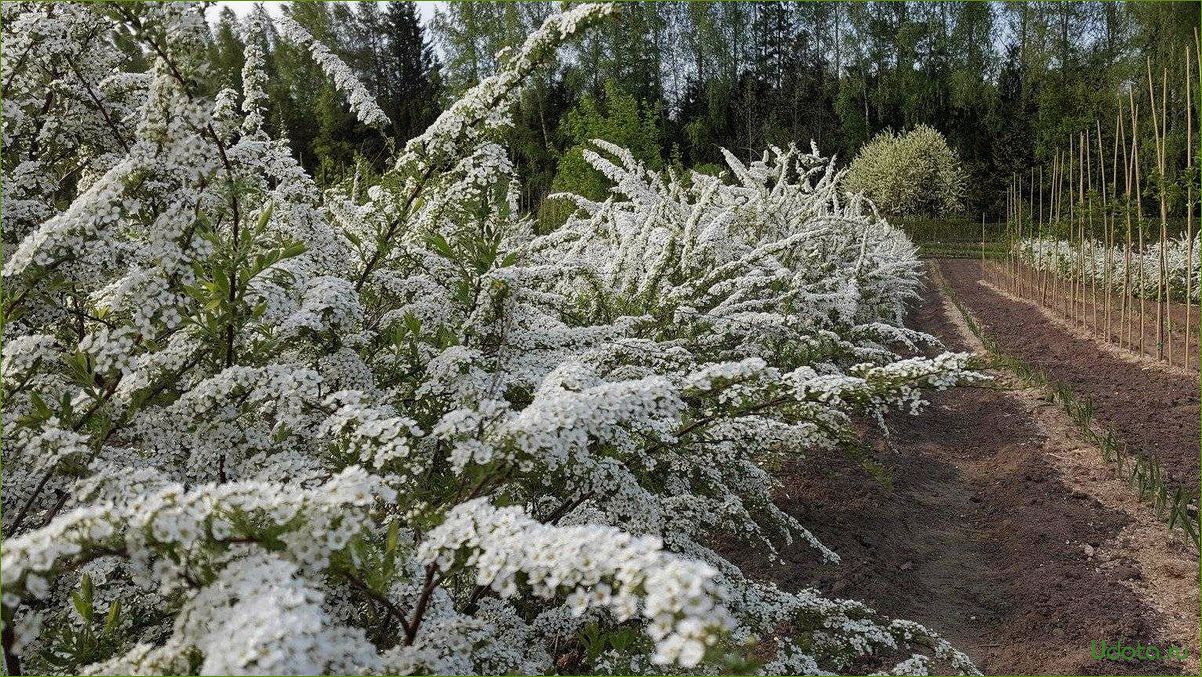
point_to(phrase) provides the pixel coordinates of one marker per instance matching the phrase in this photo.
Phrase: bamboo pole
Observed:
(1093, 253)
(1027, 269)
(1029, 282)
(1067, 275)
(1082, 170)
(1053, 215)
(1005, 263)
(1166, 324)
(1088, 270)
(1124, 309)
(1018, 196)
(1160, 194)
(1166, 327)
(1060, 187)
(1016, 232)
(1189, 202)
(1191, 150)
(1069, 284)
(1010, 224)
(1061, 277)
(1139, 214)
(1016, 274)
(1071, 211)
(1114, 187)
(1040, 278)
(1058, 190)
(1139, 227)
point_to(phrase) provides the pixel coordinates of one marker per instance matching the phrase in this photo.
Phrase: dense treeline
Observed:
(1007, 83)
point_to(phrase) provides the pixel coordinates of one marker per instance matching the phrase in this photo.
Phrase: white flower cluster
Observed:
(254, 427)
(911, 174)
(362, 103)
(1131, 271)
(601, 566)
(188, 523)
(23, 355)
(373, 436)
(459, 129)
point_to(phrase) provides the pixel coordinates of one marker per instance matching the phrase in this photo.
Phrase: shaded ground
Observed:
(1153, 411)
(979, 538)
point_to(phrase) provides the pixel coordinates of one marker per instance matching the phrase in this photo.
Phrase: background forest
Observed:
(1006, 83)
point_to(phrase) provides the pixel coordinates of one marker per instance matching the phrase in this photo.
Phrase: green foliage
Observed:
(221, 282)
(616, 117)
(1005, 83)
(387, 48)
(91, 636)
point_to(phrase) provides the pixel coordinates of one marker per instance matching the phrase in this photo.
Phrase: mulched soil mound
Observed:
(1153, 411)
(976, 538)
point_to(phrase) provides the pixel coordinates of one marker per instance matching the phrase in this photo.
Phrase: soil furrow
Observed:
(995, 528)
(1154, 412)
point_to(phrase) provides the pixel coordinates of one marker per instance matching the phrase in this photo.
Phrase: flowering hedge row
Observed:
(253, 427)
(1132, 271)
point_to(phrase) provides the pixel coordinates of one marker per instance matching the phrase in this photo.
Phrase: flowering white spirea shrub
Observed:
(911, 174)
(1135, 272)
(253, 428)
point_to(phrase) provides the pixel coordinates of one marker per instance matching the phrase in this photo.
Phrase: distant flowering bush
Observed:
(911, 174)
(1135, 272)
(255, 428)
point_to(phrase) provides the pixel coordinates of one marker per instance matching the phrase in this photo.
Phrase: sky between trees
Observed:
(1006, 83)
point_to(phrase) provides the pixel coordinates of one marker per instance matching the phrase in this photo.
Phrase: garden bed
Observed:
(1153, 411)
(996, 528)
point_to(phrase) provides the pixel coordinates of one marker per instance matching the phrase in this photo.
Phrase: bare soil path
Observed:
(998, 529)
(1152, 410)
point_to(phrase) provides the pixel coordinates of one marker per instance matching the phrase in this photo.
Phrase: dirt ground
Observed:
(998, 529)
(1087, 311)
(1152, 411)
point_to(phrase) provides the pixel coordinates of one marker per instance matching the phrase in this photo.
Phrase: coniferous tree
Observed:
(410, 87)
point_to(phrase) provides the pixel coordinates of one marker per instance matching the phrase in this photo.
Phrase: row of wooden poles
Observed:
(1082, 195)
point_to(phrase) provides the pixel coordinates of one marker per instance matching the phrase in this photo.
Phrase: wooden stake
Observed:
(1125, 310)
(1039, 271)
(1139, 212)
(1082, 170)
(1093, 254)
(1166, 325)
(1027, 270)
(1189, 202)
(1110, 225)
(1160, 194)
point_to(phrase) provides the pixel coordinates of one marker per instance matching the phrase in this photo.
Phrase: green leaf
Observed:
(82, 599)
(294, 249)
(39, 406)
(113, 618)
(265, 217)
(394, 531)
(439, 243)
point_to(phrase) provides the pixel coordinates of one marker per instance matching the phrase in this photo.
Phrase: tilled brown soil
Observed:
(1086, 314)
(1153, 411)
(979, 536)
